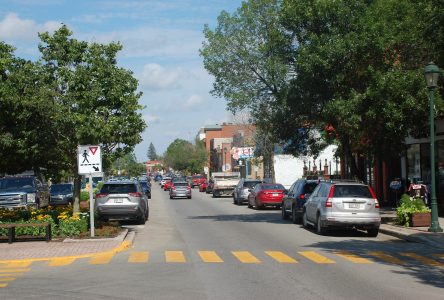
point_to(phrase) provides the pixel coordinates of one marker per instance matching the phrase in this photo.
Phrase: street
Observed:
(207, 248)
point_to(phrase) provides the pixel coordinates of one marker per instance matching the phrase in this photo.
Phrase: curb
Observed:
(119, 238)
(124, 245)
(409, 237)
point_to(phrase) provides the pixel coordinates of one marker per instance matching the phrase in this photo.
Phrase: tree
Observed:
(181, 155)
(97, 101)
(151, 152)
(127, 165)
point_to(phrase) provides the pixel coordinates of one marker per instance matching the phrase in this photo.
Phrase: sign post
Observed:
(89, 160)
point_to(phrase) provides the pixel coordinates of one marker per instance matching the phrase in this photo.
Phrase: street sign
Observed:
(206, 170)
(89, 158)
(242, 152)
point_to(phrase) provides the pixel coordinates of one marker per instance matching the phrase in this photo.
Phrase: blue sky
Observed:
(160, 39)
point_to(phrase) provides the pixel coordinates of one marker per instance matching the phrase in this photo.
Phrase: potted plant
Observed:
(413, 212)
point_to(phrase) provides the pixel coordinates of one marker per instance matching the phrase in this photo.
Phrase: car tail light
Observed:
(374, 197)
(101, 196)
(173, 188)
(188, 187)
(328, 203)
(302, 196)
(136, 194)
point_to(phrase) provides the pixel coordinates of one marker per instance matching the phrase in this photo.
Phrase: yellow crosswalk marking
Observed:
(3, 285)
(281, 257)
(18, 264)
(7, 279)
(423, 259)
(174, 257)
(386, 257)
(14, 270)
(210, 257)
(101, 259)
(245, 257)
(317, 258)
(138, 257)
(63, 261)
(8, 274)
(353, 257)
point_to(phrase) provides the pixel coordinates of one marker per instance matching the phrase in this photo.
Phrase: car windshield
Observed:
(273, 187)
(118, 189)
(346, 191)
(144, 184)
(61, 188)
(14, 183)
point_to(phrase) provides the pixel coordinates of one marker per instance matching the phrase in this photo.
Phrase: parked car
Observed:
(197, 180)
(243, 189)
(167, 185)
(61, 194)
(164, 179)
(23, 191)
(158, 178)
(266, 194)
(294, 200)
(209, 188)
(146, 187)
(123, 200)
(342, 204)
(203, 186)
(180, 189)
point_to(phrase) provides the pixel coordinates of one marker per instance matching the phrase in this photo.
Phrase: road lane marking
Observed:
(174, 257)
(210, 257)
(9, 274)
(139, 257)
(317, 258)
(423, 259)
(281, 257)
(3, 285)
(353, 257)
(387, 258)
(7, 279)
(101, 259)
(18, 264)
(245, 257)
(58, 262)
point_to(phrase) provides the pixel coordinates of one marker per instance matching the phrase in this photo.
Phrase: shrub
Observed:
(408, 207)
(73, 226)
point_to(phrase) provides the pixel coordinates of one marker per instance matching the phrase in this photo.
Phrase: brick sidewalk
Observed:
(41, 249)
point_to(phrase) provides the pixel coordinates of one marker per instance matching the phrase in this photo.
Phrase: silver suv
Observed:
(342, 204)
(242, 190)
(122, 200)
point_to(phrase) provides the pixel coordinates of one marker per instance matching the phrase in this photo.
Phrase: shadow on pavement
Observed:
(426, 274)
(253, 218)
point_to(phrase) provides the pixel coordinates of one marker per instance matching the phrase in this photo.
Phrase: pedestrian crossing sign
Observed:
(89, 158)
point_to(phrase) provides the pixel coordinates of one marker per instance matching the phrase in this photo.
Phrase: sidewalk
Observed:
(411, 234)
(41, 250)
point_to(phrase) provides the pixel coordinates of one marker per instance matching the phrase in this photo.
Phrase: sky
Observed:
(161, 41)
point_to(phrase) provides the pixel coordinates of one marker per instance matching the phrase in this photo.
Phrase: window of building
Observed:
(413, 163)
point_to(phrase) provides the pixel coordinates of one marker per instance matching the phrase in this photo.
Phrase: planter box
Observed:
(423, 219)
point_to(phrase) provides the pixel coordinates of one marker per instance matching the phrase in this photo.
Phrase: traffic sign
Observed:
(89, 158)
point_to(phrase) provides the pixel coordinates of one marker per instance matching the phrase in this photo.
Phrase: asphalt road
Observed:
(206, 248)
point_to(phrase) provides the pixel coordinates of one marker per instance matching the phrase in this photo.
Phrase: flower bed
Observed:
(409, 208)
(63, 222)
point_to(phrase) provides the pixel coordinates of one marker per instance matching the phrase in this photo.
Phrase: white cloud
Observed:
(194, 100)
(152, 119)
(156, 77)
(12, 27)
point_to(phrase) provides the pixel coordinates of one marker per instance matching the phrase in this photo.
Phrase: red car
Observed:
(196, 180)
(203, 187)
(266, 194)
(167, 185)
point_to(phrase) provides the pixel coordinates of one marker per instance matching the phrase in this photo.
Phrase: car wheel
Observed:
(249, 204)
(373, 232)
(284, 213)
(189, 197)
(321, 230)
(256, 205)
(234, 200)
(304, 219)
(141, 220)
(171, 197)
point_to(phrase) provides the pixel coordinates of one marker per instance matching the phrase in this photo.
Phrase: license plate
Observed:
(275, 194)
(353, 205)
(118, 200)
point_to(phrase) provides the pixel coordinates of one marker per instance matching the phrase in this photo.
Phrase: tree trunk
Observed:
(76, 195)
(354, 170)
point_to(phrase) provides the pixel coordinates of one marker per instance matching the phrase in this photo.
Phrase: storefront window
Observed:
(413, 163)
(425, 164)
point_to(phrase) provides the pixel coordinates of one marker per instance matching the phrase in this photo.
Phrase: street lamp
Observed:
(431, 72)
(225, 157)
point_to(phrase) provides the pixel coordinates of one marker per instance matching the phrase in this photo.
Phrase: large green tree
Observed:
(184, 156)
(151, 153)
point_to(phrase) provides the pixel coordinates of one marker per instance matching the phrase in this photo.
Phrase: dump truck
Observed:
(224, 183)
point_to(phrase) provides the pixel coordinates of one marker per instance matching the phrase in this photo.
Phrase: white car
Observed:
(164, 179)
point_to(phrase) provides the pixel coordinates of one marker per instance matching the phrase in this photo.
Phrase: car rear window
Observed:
(343, 191)
(273, 187)
(181, 184)
(250, 184)
(118, 189)
(309, 187)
